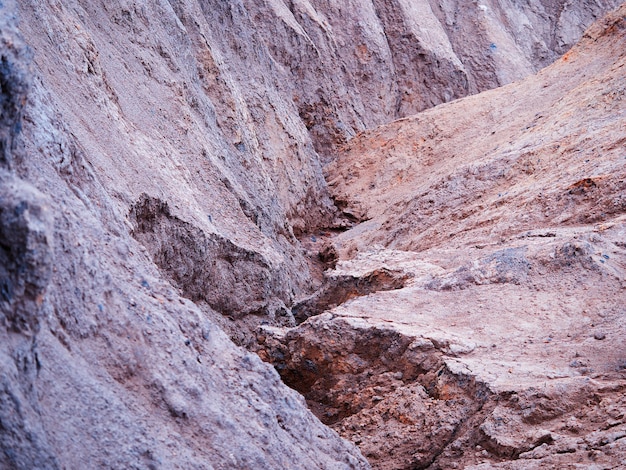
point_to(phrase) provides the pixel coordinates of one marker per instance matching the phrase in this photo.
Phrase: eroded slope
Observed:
(155, 180)
(504, 216)
(102, 363)
(214, 112)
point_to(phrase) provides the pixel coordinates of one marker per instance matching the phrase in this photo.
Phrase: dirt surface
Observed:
(505, 215)
(163, 199)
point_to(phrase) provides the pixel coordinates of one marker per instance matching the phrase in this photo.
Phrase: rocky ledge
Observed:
(501, 218)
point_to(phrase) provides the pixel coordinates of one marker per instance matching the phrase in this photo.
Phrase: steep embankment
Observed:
(197, 122)
(501, 219)
(159, 164)
(103, 362)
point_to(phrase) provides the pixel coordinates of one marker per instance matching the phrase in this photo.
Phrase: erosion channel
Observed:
(309, 234)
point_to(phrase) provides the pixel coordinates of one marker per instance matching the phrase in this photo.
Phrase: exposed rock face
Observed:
(357, 64)
(161, 172)
(219, 123)
(505, 214)
(102, 362)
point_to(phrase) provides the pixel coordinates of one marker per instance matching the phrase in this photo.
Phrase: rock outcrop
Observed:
(162, 182)
(102, 362)
(504, 214)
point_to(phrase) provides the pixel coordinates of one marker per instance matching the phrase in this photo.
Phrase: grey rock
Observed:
(85, 376)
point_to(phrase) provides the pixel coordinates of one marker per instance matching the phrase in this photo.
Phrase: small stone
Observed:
(462, 348)
(599, 335)
(377, 398)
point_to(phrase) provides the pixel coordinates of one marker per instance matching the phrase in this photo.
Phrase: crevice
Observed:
(466, 431)
(335, 365)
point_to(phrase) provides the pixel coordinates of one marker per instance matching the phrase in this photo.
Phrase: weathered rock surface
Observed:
(357, 64)
(161, 172)
(196, 111)
(505, 215)
(102, 362)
